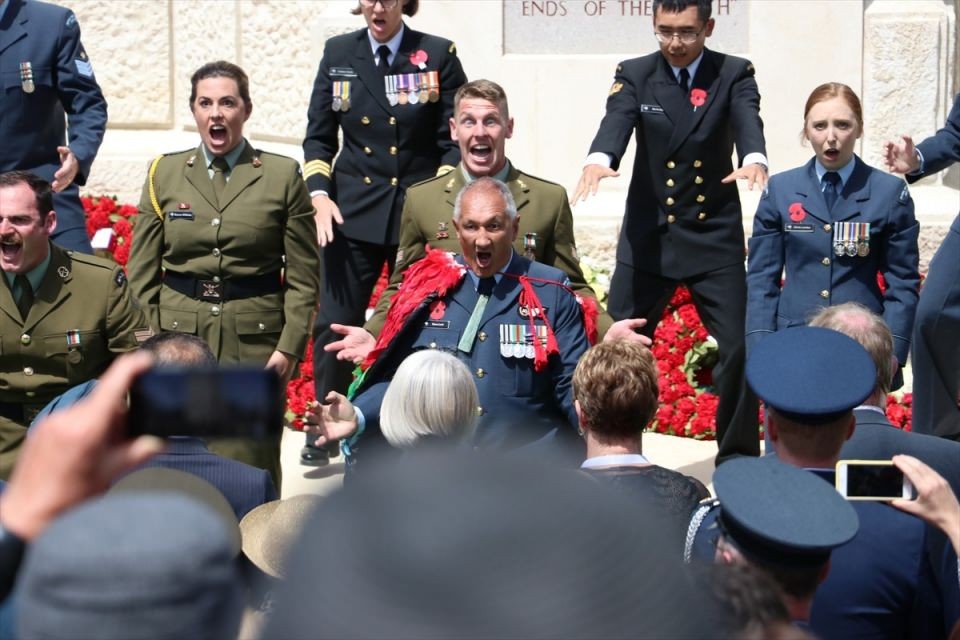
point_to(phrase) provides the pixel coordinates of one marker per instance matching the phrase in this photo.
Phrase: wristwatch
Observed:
(11, 553)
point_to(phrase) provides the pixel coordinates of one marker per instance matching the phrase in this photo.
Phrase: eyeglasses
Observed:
(386, 4)
(686, 37)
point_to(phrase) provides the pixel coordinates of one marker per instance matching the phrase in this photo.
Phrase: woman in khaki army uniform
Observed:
(225, 245)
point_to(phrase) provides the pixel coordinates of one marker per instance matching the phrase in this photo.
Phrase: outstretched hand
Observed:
(627, 330)
(335, 420)
(590, 181)
(357, 342)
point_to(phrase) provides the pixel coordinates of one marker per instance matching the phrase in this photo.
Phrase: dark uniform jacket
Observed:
(266, 217)
(83, 315)
(385, 148)
(942, 149)
(680, 220)
(517, 404)
(544, 210)
(32, 125)
(802, 241)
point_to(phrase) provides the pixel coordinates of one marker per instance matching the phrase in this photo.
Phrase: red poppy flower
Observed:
(698, 97)
(419, 58)
(797, 214)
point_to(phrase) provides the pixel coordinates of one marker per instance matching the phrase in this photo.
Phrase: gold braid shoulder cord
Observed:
(151, 187)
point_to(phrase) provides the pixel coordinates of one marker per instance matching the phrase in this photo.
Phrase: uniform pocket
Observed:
(79, 353)
(178, 320)
(258, 333)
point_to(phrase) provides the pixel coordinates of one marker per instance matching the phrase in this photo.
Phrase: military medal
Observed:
(863, 239)
(73, 338)
(337, 102)
(506, 345)
(390, 83)
(433, 81)
(402, 88)
(530, 245)
(345, 95)
(424, 88)
(837, 240)
(26, 77)
(414, 88)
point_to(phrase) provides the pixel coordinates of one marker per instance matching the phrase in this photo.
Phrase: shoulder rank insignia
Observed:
(615, 88)
(750, 70)
(904, 195)
(63, 272)
(452, 48)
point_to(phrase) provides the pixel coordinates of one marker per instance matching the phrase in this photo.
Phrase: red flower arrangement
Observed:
(685, 353)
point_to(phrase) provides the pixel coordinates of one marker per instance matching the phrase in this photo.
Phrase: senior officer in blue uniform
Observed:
(832, 224)
(45, 74)
(683, 223)
(882, 583)
(936, 339)
(514, 322)
(389, 90)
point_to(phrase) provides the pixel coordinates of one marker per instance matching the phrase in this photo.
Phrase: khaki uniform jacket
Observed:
(83, 315)
(266, 217)
(543, 207)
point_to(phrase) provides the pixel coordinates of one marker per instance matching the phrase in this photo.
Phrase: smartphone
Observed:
(207, 403)
(872, 480)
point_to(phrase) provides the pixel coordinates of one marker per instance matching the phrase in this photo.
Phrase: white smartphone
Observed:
(872, 480)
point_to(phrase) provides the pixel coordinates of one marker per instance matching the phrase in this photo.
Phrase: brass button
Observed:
(480, 411)
(216, 253)
(28, 371)
(671, 164)
(394, 181)
(216, 278)
(481, 373)
(393, 151)
(825, 262)
(701, 198)
(393, 120)
(670, 201)
(669, 182)
(215, 222)
(174, 324)
(25, 339)
(697, 164)
(701, 216)
(367, 180)
(261, 326)
(31, 394)
(698, 180)
(432, 345)
(215, 310)
(364, 120)
(671, 218)
(824, 294)
(482, 336)
(367, 150)
(826, 227)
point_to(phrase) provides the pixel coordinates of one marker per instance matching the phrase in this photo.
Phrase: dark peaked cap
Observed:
(810, 374)
(780, 515)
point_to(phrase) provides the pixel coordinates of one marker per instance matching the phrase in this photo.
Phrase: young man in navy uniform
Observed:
(936, 332)
(683, 222)
(46, 74)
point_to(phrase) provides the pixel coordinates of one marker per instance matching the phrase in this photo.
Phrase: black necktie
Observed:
(383, 52)
(220, 168)
(26, 295)
(684, 80)
(831, 184)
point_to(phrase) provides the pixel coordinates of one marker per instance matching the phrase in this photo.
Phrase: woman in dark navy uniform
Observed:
(388, 90)
(832, 225)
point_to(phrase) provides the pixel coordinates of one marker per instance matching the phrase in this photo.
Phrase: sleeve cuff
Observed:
(919, 171)
(599, 157)
(756, 158)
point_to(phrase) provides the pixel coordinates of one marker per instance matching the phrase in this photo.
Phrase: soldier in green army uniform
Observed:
(225, 245)
(481, 125)
(64, 316)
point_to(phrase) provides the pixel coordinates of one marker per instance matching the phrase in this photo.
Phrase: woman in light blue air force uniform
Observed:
(823, 231)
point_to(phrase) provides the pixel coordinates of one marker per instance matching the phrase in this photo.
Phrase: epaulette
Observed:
(96, 261)
(429, 180)
(532, 178)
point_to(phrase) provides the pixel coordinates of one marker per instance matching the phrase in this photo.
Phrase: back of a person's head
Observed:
(615, 384)
(475, 547)
(432, 396)
(867, 328)
(173, 349)
(132, 566)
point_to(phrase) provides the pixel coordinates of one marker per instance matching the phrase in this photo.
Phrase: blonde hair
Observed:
(431, 395)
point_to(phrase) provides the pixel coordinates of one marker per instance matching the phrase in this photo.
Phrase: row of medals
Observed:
(851, 239)
(516, 340)
(26, 77)
(412, 88)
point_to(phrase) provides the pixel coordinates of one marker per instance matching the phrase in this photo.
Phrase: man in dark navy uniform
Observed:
(683, 223)
(48, 83)
(936, 332)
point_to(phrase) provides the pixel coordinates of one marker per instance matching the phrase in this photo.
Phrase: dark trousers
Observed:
(720, 297)
(71, 231)
(936, 343)
(350, 269)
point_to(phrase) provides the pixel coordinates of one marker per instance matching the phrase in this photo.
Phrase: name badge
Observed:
(180, 215)
(651, 108)
(347, 72)
(436, 324)
(798, 228)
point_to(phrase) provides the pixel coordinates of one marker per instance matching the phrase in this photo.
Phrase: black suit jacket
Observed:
(385, 148)
(876, 439)
(243, 486)
(943, 148)
(680, 220)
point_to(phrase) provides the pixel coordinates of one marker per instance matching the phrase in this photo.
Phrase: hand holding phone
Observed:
(872, 480)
